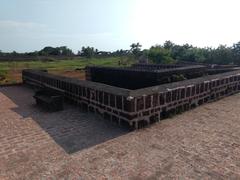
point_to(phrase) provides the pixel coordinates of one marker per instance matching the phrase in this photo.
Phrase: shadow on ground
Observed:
(71, 128)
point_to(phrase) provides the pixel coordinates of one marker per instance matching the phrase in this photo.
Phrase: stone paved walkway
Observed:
(200, 144)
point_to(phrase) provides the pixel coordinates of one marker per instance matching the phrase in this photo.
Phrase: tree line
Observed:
(168, 52)
(47, 51)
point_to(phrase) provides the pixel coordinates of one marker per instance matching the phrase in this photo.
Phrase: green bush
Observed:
(160, 55)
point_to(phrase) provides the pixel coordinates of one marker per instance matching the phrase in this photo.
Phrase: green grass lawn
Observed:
(61, 64)
(7, 69)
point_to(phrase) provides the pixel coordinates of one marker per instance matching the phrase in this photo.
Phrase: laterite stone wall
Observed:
(137, 108)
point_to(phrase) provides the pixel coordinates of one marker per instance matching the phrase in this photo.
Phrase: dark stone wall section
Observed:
(110, 104)
(141, 76)
(156, 66)
(138, 108)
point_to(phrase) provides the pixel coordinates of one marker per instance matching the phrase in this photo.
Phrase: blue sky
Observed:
(28, 25)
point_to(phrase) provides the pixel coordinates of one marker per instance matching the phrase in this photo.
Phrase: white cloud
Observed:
(10, 25)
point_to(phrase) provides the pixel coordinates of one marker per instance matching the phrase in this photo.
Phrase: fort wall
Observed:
(140, 107)
(136, 77)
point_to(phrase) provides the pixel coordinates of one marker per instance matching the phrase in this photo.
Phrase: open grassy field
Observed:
(10, 72)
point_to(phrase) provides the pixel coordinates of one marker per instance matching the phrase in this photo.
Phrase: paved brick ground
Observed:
(200, 144)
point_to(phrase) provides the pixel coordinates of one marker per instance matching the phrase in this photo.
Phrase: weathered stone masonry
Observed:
(136, 77)
(111, 102)
(155, 103)
(143, 106)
